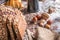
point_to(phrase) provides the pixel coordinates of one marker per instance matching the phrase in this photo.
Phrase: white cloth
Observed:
(41, 7)
(57, 1)
(44, 6)
(54, 15)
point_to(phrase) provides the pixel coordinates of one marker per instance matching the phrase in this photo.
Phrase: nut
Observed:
(47, 26)
(34, 19)
(42, 21)
(50, 10)
(45, 16)
(49, 22)
(38, 17)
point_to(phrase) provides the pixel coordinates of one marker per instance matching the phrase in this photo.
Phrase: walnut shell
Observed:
(41, 22)
(45, 16)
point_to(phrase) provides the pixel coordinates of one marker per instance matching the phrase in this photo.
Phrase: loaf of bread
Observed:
(12, 24)
(45, 34)
(3, 29)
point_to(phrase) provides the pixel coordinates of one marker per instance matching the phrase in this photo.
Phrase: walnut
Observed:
(42, 22)
(45, 16)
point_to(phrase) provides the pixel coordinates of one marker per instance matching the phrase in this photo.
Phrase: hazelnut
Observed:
(38, 17)
(34, 19)
(50, 22)
(50, 10)
(47, 26)
(45, 16)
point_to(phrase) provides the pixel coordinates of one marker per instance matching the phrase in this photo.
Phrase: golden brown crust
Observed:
(13, 21)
